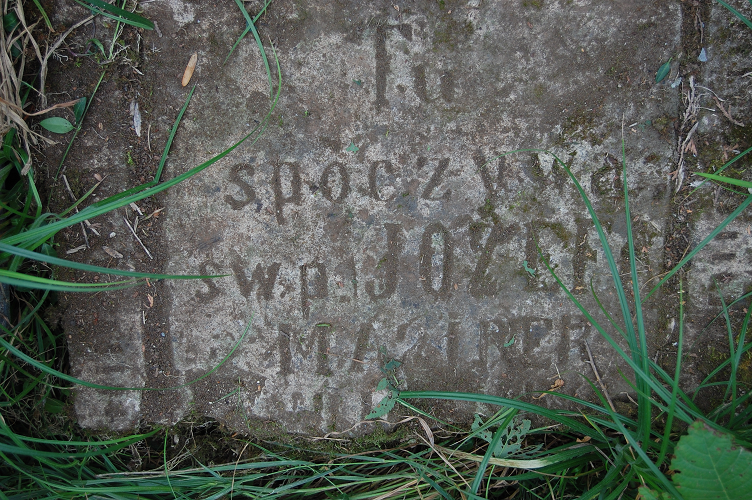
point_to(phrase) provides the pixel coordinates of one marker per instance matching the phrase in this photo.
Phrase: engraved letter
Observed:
(372, 174)
(295, 348)
(246, 188)
(213, 291)
(382, 59)
(344, 182)
(436, 235)
(435, 179)
(280, 200)
(361, 346)
(265, 280)
(481, 284)
(318, 288)
(484, 168)
(389, 263)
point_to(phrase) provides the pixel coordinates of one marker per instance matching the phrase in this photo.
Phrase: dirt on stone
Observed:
(126, 160)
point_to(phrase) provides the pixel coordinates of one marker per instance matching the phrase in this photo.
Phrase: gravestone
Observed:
(375, 218)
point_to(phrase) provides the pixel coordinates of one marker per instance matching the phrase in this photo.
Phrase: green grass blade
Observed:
(705, 383)
(30, 452)
(78, 124)
(79, 201)
(162, 160)
(736, 13)
(727, 180)
(729, 163)
(249, 22)
(731, 386)
(42, 233)
(95, 269)
(44, 15)
(637, 448)
(644, 405)
(675, 383)
(39, 283)
(658, 388)
(489, 453)
(500, 401)
(34, 192)
(118, 14)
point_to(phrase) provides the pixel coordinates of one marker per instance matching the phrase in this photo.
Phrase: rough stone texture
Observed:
(723, 269)
(421, 240)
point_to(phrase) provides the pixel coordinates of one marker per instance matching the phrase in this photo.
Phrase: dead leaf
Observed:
(98, 177)
(137, 120)
(151, 300)
(190, 69)
(155, 214)
(112, 253)
(74, 250)
(583, 440)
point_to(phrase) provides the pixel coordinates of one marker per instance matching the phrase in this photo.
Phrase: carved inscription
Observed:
(313, 285)
(280, 198)
(436, 179)
(245, 187)
(389, 263)
(460, 261)
(383, 58)
(327, 181)
(436, 255)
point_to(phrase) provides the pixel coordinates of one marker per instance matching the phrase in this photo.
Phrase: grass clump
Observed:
(42, 454)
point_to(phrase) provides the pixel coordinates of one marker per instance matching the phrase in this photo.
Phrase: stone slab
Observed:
(417, 241)
(374, 215)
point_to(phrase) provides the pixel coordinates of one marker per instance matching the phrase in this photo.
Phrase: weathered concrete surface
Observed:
(413, 242)
(724, 268)
(373, 211)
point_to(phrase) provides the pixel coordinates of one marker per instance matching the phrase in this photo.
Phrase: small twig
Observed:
(240, 455)
(73, 197)
(598, 377)
(51, 50)
(137, 238)
(727, 114)
(682, 150)
(329, 353)
(690, 115)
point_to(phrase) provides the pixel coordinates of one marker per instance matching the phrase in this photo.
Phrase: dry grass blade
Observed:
(397, 491)
(591, 362)
(51, 50)
(12, 69)
(133, 231)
